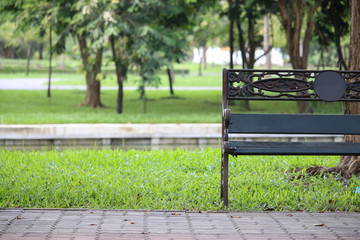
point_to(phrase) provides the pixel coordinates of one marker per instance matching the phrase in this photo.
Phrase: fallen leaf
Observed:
(92, 224)
(175, 214)
(289, 215)
(132, 222)
(19, 218)
(235, 217)
(319, 225)
(269, 209)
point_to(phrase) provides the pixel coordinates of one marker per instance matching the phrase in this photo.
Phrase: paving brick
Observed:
(120, 224)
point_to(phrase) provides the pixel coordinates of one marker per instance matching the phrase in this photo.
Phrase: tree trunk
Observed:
(63, 57)
(92, 97)
(120, 98)
(291, 17)
(335, 23)
(200, 73)
(242, 44)
(121, 71)
(170, 73)
(50, 65)
(349, 165)
(28, 53)
(41, 50)
(267, 42)
(231, 43)
(252, 41)
(9, 52)
(344, 47)
(321, 60)
(204, 56)
(246, 63)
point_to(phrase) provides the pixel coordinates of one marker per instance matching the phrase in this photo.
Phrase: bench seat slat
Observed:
(294, 124)
(293, 148)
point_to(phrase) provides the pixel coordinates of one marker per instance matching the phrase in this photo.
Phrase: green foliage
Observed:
(246, 15)
(181, 179)
(332, 24)
(335, 12)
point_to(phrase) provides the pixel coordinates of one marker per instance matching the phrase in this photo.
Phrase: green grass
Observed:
(133, 80)
(32, 107)
(78, 79)
(180, 179)
(57, 76)
(211, 76)
(36, 63)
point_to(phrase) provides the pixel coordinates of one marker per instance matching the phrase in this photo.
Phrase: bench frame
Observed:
(287, 85)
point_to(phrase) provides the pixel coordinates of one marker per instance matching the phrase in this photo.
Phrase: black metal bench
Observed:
(287, 85)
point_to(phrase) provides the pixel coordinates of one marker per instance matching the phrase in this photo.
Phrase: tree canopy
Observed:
(145, 36)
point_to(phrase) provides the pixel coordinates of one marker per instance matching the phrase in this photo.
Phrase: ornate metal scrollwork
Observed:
(291, 84)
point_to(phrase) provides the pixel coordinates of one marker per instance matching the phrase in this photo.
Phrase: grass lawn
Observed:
(211, 76)
(133, 179)
(183, 180)
(213, 80)
(78, 79)
(32, 107)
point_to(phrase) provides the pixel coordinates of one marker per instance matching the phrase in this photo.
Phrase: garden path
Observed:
(131, 224)
(41, 84)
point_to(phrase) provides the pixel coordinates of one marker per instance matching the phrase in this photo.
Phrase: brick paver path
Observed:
(122, 224)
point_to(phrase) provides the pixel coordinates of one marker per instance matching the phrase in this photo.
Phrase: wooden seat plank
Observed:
(293, 148)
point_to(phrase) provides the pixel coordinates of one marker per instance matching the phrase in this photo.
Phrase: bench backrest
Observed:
(290, 85)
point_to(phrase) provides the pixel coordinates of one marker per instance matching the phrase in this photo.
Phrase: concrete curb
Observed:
(138, 136)
(78, 131)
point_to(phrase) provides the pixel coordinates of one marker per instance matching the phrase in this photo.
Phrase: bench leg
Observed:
(224, 178)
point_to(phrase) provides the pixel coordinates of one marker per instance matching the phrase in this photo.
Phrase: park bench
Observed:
(286, 85)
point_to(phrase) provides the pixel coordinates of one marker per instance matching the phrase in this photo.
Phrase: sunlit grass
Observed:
(210, 76)
(133, 80)
(180, 179)
(33, 107)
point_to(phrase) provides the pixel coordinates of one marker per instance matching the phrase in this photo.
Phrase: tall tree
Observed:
(246, 15)
(79, 19)
(148, 35)
(130, 27)
(267, 47)
(349, 165)
(87, 25)
(335, 12)
(208, 26)
(120, 24)
(292, 14)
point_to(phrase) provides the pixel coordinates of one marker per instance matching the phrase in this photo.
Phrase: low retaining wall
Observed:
(125, 136)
